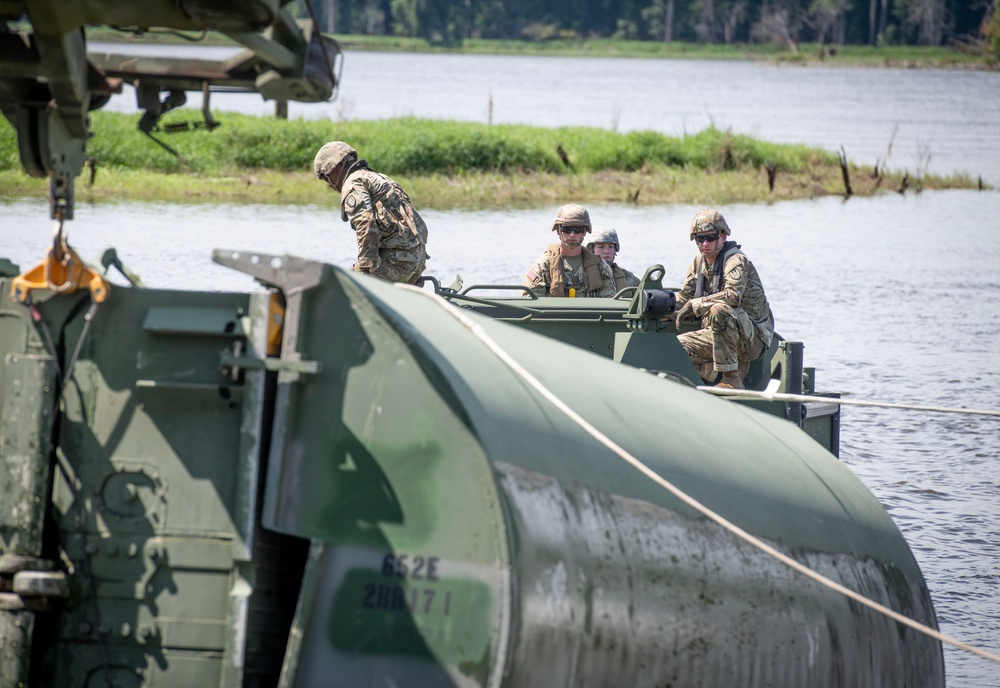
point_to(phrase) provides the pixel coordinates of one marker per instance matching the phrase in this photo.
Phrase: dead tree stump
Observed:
(772, 172)
(845, 172)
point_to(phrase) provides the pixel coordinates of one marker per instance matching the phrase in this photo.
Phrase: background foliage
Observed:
(970, 23)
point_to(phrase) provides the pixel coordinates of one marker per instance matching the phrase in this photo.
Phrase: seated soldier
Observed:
(567, 268)
(604, 243)
(724, 291)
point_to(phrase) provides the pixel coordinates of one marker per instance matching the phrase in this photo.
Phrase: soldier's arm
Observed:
(734, 283)
(361, 215)
(607, 280)
(537, 278)
(687, 291)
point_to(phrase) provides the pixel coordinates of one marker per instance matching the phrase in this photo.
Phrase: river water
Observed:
(896, 298)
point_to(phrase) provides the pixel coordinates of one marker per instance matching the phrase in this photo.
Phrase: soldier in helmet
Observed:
(567, 268)
(723, 291)
(392, 237)
(604, 243)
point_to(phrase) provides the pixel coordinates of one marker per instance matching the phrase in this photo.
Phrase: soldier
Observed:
(392, 237)
(723, 289)
(604, 243)
(567, 268)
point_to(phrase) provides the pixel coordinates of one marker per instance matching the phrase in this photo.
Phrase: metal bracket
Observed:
(62, 271)
(231, 361)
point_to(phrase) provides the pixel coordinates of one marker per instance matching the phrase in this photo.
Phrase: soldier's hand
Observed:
(686, 312)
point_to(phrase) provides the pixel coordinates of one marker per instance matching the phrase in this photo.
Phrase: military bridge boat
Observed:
(332, 480)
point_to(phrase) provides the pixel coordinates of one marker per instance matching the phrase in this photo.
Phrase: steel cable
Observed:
(533, 382)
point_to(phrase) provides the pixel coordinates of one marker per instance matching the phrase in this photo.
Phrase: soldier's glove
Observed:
(685, 313)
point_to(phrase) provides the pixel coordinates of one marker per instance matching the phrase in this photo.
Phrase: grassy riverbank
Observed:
(454, 164)
(805, 54)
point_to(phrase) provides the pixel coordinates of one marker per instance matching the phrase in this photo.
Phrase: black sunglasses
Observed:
(573, 230)
(706, 238)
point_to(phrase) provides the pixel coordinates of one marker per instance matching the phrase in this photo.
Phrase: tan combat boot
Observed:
(731, 380)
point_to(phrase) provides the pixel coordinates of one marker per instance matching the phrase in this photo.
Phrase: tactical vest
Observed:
(621, 277)
(557, 278)
(765, 327)
(392, 207)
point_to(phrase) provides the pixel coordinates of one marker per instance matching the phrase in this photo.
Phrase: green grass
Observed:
(410, 146)
(452, 164)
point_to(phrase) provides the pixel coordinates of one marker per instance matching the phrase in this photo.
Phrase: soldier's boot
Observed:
(731, 380)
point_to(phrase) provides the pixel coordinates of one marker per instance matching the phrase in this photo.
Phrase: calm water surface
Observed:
(944, 121)
(896, 298)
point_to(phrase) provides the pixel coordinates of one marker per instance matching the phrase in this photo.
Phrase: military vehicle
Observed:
(333, 480)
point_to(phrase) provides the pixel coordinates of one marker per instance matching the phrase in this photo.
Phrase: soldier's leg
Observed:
(698, 345)
(725, 327)
(400, 266)
(750, 349)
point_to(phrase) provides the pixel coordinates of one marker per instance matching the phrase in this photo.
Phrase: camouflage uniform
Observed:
(540, 278)
(736, 320)
(623, 278)
(392, 237)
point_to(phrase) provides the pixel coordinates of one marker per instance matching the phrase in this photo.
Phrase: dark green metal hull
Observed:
(386, 503)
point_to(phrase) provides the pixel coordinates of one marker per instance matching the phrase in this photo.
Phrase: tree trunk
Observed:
(330, 7)
(668, 22)
(883, 14)
(871, 21)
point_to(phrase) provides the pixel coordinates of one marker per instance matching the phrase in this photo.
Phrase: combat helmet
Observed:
(708, 221)
(573, 215)
(604, 235)
(331, 156)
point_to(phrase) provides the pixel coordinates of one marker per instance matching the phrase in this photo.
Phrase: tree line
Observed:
(788, 22)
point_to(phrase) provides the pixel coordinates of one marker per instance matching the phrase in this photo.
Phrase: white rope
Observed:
(533, 382)
(781, 396)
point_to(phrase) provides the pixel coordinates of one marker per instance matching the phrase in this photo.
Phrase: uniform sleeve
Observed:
(537, 277)
(358, 209)
(607, 279)
(687, 291)
(631, 280)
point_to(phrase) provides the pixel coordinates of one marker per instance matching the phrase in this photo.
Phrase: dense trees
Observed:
(875, 22)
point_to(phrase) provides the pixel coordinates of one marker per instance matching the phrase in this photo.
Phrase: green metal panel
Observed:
(654, 351)
(155, 488)
(378, 465)
(28, 396)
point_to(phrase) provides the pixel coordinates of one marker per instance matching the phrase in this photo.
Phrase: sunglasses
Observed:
(706, 238)
(573, 230)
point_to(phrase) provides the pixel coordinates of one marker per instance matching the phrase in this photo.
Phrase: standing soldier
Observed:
(604, 243)
(392, 237)
(724, 291)
(567, 268)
